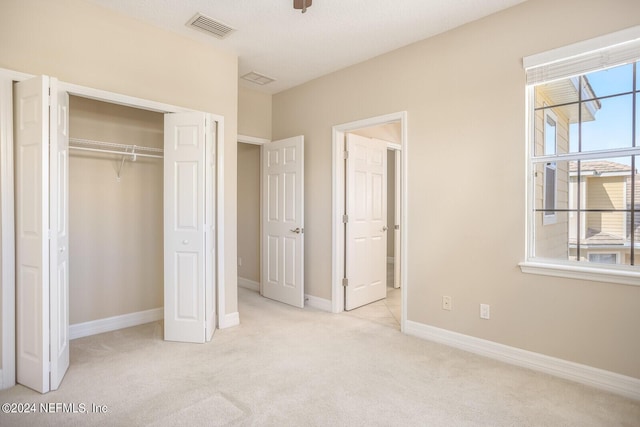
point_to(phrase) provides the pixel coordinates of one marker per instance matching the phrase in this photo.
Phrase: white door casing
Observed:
(184, 227)
(283, 221)
(397, 250)
(59, 229)
(366, 226)
(31, 109)
(210, 228)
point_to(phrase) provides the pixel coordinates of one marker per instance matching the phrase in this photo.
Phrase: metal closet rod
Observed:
(121, 149)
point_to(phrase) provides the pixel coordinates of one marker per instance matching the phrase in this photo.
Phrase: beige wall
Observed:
(254, 113)
(115, 226)
(82, 43)
(464, 92)
(249, 211)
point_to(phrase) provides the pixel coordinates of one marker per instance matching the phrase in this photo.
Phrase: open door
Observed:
(185, 231)
(42, 314)
(283, 221)
(59, 230)
(366, 221)
(397, 250)
(210, 228)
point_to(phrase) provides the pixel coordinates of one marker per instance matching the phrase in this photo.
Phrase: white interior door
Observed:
(59, 226)
(283, 221)
(184, 227)
(31, 109)
(366, 225)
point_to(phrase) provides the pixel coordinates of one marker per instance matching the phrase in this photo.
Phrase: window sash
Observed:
(584, 57)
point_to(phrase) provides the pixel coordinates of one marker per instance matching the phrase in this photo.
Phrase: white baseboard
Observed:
(114, 323)
(594, 377)
(319, 303)
(248, 284)
(229, 320)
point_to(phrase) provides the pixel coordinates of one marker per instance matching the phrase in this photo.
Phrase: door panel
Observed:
(283, 221)
(184, 227)
(366, 229)
(31, 133)
(59, 242)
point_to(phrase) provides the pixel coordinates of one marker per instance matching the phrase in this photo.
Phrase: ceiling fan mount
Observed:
(302, 4)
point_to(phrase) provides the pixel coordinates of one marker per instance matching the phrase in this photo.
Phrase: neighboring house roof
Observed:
(599, 167)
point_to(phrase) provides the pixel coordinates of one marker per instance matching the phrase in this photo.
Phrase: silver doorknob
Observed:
(296, 230)
(385, 228)
(185, 242)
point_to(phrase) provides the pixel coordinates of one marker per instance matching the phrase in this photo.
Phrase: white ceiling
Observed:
(273, 39)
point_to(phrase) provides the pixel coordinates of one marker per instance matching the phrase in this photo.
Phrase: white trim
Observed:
(252, 140)
(7, 233)
(252, 285)
(338, 183)
(583, 374)
(229, 320)
(609, 274)
(581, 47)
(114, 323)
(318, 303)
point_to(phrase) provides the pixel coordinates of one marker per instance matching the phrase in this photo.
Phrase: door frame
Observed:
(338, 197)
(7, 220)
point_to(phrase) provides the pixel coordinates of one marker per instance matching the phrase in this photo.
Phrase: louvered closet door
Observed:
(184, 227)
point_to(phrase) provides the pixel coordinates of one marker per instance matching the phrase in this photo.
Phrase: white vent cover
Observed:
(257, 78)
(210, 26)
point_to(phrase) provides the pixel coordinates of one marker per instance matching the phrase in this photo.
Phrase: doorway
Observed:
(375, 126)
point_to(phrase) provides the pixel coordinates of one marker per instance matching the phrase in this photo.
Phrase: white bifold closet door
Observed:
(42, 260)
(189, 162)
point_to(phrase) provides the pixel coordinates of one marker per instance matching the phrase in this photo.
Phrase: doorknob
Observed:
(297, 230)
(385, 228)
(185, 242)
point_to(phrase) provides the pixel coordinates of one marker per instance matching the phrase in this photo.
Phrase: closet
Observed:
(115, 211)
(115, 216)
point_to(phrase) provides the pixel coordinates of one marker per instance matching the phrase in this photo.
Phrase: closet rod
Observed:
(100, 150)
(113, 145)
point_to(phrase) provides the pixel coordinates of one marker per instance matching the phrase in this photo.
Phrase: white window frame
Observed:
(549, 218)
(577, 59)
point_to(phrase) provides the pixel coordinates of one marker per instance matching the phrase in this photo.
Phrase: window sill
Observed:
(597, 274)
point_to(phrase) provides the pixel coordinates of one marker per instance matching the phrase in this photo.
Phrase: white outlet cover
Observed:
(485, 311)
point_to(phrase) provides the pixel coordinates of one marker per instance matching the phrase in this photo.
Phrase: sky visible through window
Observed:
(613, 124)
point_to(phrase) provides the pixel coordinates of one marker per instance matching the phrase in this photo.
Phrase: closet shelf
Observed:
(114, 148)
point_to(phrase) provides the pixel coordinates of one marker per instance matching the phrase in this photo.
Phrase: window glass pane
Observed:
(638, 115)
(551, 186)
(607, 82)
(605, 183)
(551, 239)
(551, 131)
(604, 258)
(558, 92)
(605, 125)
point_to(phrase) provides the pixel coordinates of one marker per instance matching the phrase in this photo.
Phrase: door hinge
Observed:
(345, 218)
(396, 227)
(345, 154)
(345, 282)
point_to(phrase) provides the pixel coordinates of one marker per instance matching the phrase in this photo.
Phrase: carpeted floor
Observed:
(289, 367)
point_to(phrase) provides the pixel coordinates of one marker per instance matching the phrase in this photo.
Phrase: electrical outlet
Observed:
(485, 311)
(446, 303)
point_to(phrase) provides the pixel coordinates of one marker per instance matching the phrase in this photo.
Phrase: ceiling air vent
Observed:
(257, 78)
(210, 26)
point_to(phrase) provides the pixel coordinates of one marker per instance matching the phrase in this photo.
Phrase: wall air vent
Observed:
(257, 78)
(210, 26)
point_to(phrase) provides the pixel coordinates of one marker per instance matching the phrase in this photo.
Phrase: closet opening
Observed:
(116, 235)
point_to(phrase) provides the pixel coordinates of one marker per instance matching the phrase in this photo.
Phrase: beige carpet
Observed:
(289, 367)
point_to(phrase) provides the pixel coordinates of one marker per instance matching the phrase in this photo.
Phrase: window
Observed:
(583, 155)
(550, 149)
